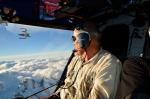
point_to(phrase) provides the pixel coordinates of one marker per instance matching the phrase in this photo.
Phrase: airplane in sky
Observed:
(24, 34)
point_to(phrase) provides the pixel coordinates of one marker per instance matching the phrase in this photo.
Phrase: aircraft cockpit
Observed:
(28, 27)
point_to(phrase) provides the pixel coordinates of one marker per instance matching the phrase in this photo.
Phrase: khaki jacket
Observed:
(96, 79)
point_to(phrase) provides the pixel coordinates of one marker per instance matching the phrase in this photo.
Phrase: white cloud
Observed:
(29, 75)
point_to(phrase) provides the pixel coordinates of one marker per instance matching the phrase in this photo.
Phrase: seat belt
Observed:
(63, 76)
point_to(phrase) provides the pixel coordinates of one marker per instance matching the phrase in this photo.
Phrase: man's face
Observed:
(79, 50)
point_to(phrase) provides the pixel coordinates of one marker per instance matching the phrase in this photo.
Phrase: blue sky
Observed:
(42, 40)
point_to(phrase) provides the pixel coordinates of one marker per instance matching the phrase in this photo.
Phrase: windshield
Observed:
(31, 58)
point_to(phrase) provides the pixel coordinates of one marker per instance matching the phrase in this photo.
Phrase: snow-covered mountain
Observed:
(23, 76)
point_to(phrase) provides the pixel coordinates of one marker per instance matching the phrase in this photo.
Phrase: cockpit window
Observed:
(31, 58)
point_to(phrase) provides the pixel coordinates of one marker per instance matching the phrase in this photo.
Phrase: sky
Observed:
(30, 65)
(42, 40)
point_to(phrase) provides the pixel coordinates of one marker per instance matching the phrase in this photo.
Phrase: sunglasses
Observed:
(73, 38)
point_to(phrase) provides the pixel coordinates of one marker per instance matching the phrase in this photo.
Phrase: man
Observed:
(93, 73)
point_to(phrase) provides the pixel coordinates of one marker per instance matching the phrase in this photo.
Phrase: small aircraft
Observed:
(24, 34)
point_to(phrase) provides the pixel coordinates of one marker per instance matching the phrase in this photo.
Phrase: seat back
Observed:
(115, 39)
(135, 79)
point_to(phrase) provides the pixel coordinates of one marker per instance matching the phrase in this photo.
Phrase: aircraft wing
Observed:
(22, 38)
(21, 34)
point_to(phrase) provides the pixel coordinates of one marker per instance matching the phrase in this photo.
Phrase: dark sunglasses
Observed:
(73, 38)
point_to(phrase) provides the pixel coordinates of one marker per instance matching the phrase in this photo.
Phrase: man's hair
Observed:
(93, 31)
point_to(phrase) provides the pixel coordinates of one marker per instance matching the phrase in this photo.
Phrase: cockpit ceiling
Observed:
(67, 14)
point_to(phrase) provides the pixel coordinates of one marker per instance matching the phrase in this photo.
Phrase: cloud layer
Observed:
(27, 75)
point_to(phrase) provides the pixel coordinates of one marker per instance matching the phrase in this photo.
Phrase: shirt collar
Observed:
(94, 58)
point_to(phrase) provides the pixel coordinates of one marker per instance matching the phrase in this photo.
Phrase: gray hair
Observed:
(92, 29)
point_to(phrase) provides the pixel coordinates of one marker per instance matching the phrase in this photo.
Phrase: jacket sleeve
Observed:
(106, 80)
